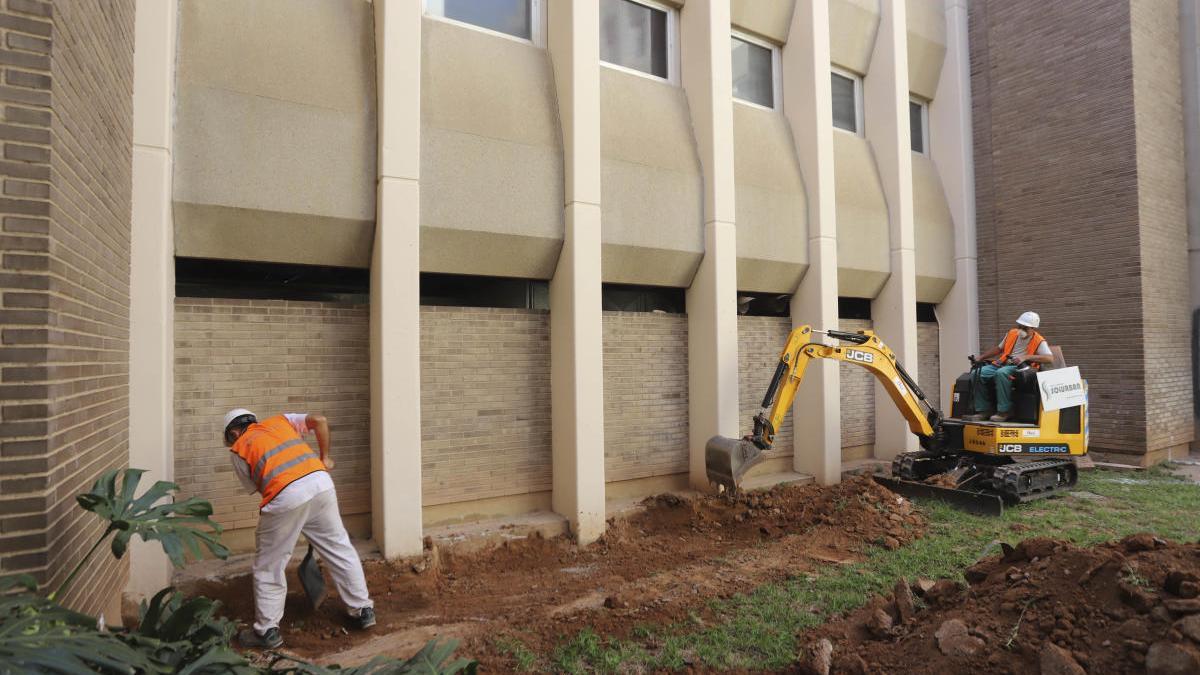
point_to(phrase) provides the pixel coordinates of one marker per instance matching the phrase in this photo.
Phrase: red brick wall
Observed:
(64, 278)
(1056, 166)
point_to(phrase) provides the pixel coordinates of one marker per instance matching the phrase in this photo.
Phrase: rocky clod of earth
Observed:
(1041, 606)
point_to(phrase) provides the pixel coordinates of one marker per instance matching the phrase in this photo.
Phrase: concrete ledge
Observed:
(868, 466)
(466, 537)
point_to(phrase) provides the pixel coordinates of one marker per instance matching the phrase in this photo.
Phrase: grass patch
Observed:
(526, 661)
(757, 630)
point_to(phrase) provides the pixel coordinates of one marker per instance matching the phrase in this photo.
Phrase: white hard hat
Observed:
(1029, 320)
(233, 415)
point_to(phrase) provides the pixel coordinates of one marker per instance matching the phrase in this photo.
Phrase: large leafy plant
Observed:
(174, 634)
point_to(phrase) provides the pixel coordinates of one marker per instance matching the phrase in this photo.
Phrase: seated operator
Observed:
(1022, 344)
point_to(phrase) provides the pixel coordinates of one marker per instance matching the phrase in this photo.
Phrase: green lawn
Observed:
(758, 630)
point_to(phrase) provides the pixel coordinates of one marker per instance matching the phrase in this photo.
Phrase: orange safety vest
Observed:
(1010, 341)
(276, 454)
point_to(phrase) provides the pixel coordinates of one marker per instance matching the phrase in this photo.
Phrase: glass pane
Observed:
(844, 107)
(752, 79)
(634, 36)
(916, 126)
(503, 16)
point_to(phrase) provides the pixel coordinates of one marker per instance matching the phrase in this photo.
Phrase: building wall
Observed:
(645, 395)
(67, 137)
(928, 363)
(858, 396)
(1162, 208)
(485, 403)
(760, 339)
(270, 356)
(1057, 194)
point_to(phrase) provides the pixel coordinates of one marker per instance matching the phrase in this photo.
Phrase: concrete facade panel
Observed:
(470, 195)
(645, 395)
(852, 28)
(276, 112)
(771, 20)
(772, 211)
(231, 233)
(926, 24)
(862, 218)
(485, 403)
(934, 232)
(652, 193)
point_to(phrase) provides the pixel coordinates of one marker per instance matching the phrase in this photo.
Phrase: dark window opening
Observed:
(463, 290)
(764, 304)
(204, 278)
(854, 308)
(626, 298)
(926, 313)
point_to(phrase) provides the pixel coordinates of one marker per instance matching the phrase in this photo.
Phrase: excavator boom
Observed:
(727, 459)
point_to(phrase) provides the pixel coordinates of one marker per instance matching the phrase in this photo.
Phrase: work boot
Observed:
(1002, 417)
(365, 618)
(978, 417)
(250, 639)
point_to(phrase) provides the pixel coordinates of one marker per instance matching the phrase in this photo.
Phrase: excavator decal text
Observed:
(857, 355)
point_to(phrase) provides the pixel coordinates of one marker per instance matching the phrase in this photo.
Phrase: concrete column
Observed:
(576, 330)
(712, 297)
(951, 149)
(152, 276)
(1189, 41)
(894, 310)
(808, 106)
(395, 284)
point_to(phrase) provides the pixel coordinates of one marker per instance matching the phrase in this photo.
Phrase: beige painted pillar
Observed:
(152, 277)
(712, 297)
(894, 310)
(576, 330)
(395, 284)
(1189, 41)
(808, 106)
(952, 150)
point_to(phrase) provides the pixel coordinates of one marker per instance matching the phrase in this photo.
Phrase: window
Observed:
(847, 102)
(518, 18)
(926, 312)
(465, 290)
(918, 125)
(754, 71)
(854, 308)
(638, 36)
(654, 299)
(764, 304)
(204, 278)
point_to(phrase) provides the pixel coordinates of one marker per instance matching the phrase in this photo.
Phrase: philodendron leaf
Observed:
(175, 525)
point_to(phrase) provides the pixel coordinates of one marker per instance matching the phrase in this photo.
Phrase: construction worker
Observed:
(1022, 344)
(270, 457)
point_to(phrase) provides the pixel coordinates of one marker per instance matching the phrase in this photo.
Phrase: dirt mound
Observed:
(652, 567)
(1127, 607)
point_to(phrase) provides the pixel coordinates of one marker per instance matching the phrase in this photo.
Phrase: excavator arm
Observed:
(728, 460)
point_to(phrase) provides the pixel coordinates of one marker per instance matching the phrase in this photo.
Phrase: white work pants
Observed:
(275, 539)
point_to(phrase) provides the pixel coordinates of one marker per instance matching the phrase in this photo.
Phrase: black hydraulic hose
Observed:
(773, 388)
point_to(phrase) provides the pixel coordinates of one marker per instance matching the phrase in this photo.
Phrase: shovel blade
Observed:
(311, 579)
(726, 460)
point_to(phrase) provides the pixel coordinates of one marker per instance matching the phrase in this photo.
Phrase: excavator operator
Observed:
(1022, 344)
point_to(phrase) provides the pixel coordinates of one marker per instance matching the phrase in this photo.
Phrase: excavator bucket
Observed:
(726, 460)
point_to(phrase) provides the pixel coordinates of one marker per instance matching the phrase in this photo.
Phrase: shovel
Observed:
(311, 579)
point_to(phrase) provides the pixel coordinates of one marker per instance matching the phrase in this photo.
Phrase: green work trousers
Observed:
(1004, 387)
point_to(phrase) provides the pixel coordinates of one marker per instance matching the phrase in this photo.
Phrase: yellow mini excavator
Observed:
(977, 466)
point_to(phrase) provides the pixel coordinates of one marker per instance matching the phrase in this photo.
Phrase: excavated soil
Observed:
(1045, 606)
(655, 566)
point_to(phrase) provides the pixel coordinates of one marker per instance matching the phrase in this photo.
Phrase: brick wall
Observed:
(64, 277)
(645, 395)
(485, 403)
(760, 339)
(1162, 203)
(271, 356)
(858, 396)
(929, 363)
(1057, 193)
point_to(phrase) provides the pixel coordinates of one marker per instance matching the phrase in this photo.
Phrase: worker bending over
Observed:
(1022, 344)
(270, 457)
